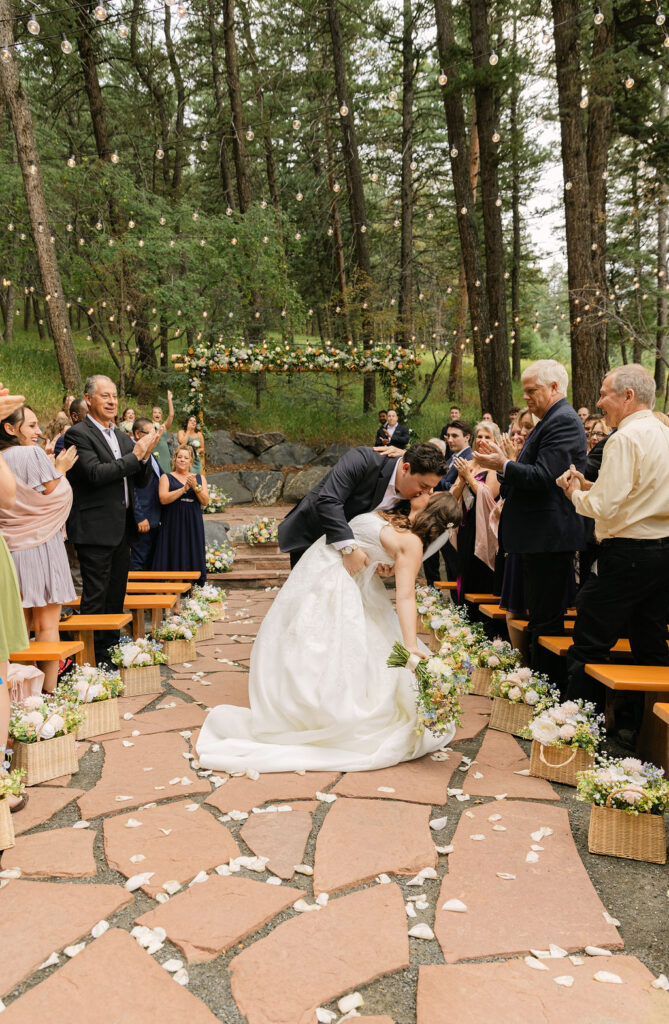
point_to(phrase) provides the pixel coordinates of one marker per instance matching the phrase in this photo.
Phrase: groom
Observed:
(362, 481)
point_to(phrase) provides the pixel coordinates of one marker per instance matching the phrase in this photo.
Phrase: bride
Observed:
(321, 695)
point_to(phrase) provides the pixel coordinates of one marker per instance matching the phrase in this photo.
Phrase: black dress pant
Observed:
(104, 574)
(295, 556)
(142, 549)
(546, 577)
(432, 568)
(626, 595)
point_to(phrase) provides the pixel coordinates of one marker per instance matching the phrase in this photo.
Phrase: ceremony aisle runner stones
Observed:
(424, 781)
(143, 773)
(242, 794)
(499, 760)
(549, 899)
(281, 837)
(40, 917)
(360, 839)
(184, 715)
(510, 992)
(314, 958)
(217, 688)
(44, 802)
(208, 919)
(60, 852)
(175, 842)
(475, 716)
(113, 979)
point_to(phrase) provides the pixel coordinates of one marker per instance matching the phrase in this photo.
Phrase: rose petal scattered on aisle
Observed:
(608, 978)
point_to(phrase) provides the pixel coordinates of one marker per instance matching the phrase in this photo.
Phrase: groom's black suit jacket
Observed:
(356, 484)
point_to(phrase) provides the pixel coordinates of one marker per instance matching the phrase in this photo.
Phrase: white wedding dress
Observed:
(322, 697)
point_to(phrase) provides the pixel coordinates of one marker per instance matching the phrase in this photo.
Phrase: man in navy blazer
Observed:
(538, 521)
(147, 507)
(394, 432)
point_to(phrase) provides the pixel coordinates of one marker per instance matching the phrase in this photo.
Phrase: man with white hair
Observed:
(538, 522)
(628, 588)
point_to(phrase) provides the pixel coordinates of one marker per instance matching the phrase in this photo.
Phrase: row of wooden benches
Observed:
(156, 592)
(619, 675)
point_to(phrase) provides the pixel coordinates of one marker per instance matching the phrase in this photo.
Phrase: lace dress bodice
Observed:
(367, 532)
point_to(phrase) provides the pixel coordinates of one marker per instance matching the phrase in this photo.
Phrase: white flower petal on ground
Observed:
(99, 929)
(523, 771)
(597, 951)
(238, 815)
(608, 978)
(478, 775)
(326, 798)
(350, 1002)
(252, 774)
(477, 837)
(385, 789)
(421, 931)
(128, 715)
(535, 964)
(136, 881)
(73, 950)
(455, 906)
(661, 982)
(324, 1016)
(137, 858)
(532, 857)
(462, 797)
(166, 831)
(410, 909)
(302, 907)
(127, 743)
(499, 828)
(55, 959)
(200, 877)
(505, 875)
(565, 980)
(304, 869)
(273, 880)
(495, 817)
(323, 899)
(541, 833)
(577, 961)
(383, 879)
(133, 823)
(81, 824)
(611, 920)
(438, 823)
(181, 976)
(557, 952)
(172, 965)
(192, 807)
(500, 796)
(162, 897)
(541, 954)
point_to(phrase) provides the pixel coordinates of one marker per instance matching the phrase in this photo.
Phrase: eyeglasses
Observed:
(597, 433)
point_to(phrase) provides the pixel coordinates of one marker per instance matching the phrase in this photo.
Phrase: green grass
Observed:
(305, 407)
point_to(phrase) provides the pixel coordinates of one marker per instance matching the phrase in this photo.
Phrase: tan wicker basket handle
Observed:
(623, 789)
(562, 764)
(38, 733)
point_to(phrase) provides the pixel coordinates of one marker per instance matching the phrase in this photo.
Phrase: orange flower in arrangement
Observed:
(191, 351)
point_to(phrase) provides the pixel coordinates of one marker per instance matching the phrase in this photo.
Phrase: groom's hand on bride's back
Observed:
(389, 450)
(355, 562)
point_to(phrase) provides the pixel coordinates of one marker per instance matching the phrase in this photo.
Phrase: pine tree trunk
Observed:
(588, 353)
(26, 312)
(223, 116)
(516, 140)
(39, 320)
(260, 100)
(404, 305)
(91, 81)
(337, 236)
(469, 246)
(179, 152)
(487, 113)
(455, 387)
(9, 311)
(356, 193)
(235, 94)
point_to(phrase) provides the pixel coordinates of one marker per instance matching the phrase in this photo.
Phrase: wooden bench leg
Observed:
(156, 617)
(138, 623)
(653, 740)
(87, 655)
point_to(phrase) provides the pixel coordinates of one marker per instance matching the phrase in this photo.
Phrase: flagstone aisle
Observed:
(351, 866)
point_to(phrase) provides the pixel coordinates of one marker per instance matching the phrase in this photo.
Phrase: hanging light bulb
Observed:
(374, 176)
(100, 13)
(413, 165)
(162, 221)
(140, 243)
(495, 136)
(98, 226)
(545, 36)
(204, 145)
(336, 187)
(65, 44)
(666, 40)
(5, 54)
(33, 26)
(493, 58)
(160, 153)
(568, 186)
(297, 124)
(131, 223)
(195, 215)
(363, 229)
(123, 31)
(69, 229)
(330, 232)
(443, 78)
(660, 19)
(498, 202)
(343, 110)
(32, 168)
(72, 161)
(299, 197)
(454, 152)
(629, 82)
(114, 157)
(250, 135)
(393, 95)
(599, 17)
(297, 236)
(463, 210)
(430, 215)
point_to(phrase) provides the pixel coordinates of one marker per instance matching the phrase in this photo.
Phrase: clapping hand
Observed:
(464, 468)
(9, 403)
(66, 459)
(490, 455)
(147, 443)
(509, 447)
(191, 481)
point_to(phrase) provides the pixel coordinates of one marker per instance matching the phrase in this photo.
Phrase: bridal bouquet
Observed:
(574, 723)
(43, 718)
(138, 653)
(263, 531)
(439, 687)
(219, 559)
(218, 500)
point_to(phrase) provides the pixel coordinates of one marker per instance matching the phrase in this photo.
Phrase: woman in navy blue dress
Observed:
(183, 494)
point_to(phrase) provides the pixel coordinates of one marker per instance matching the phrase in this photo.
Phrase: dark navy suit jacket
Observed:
(400, 438)
(536, 515)
(147, 502)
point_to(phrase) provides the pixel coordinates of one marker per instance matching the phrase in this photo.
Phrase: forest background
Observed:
(331, 178)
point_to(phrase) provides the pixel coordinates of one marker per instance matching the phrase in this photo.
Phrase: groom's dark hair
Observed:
(425, 458)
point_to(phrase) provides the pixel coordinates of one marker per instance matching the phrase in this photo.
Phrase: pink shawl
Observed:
(35, 517)
(486, 543)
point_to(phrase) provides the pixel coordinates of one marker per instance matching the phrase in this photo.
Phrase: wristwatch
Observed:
(349, 549)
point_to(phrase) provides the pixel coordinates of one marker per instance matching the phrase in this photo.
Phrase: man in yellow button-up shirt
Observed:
(627, 592)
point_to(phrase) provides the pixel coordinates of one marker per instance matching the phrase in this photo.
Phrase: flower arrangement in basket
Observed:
(177, 635)
(263, 530)
(11, 784)
(218, 500)
(200, 614)
(214, 596)
(564, 738)
(629, 800)
(492, 656)
(139, 663)
(517, 697)
(43, 728)
(439, 688)
(98, 689)
(219, 559)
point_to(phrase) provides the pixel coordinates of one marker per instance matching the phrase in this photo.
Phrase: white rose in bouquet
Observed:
(130, 654)
(89, 672)
(531, 697)
(33, 718)
(570, 707)
(493, 661)
(32, 703)
(48, 731)
(143, 659)
(567, 732)
(515, 693)
(558, 714)
(524, 673)
(544, 730)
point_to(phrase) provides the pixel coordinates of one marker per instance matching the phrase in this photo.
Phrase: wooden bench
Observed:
(481, 598)
(169, 574)
(138, 604)
(177, 587)
(38, 650)
(445, 585)
(84, 626)
(493, 611)
(522, 624)
(560, 645)
(653, 682)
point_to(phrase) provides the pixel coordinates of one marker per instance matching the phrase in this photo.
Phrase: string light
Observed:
(660, 19)
(546, 37)
(493, 58)
(250, 135)
(297, 124)
(454, 152)
(33, 26)
(204, 145)
(5, 54)
(114, 157)
(72, 162)
(65, 45)
(343, 110)
(100, 13)
(123, 31)
(599, 17)
(336, 187)
(160, 153)
(629, 82)
(393, 95)
(495, 136)
(443, 78)
(584, 102)
(299, 197)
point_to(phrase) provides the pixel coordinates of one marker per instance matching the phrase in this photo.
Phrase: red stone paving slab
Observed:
(59, 852)
(113, 980)
(511, 992)
(282, 837)
(183, 716)
(424, 781)
(195, 842)
(223, 688)
(208, 919)
(135, 704)
(238, 627)
(235, 650)
(316, 957)
(498, 759)
(359, 839)
(208, 664)
(552, 900)
(374, 1020)
(123, 774)
(43, 803)
(40, 917)
(242, 794)
(475, 717)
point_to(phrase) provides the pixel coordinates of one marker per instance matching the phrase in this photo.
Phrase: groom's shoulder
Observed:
(363, 455)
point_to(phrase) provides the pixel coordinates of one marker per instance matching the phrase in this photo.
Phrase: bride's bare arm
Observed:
(407, 566)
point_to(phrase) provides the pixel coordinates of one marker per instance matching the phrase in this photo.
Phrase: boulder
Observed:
(331, 455)
(266, 486)
(258, 443)
(216, 532)
(289, 454)
(231, 485)
(221, 450)
(299, 484)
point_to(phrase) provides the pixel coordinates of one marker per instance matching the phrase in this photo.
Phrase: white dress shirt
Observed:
(112, 441)
(390, 499)
(630, 497)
